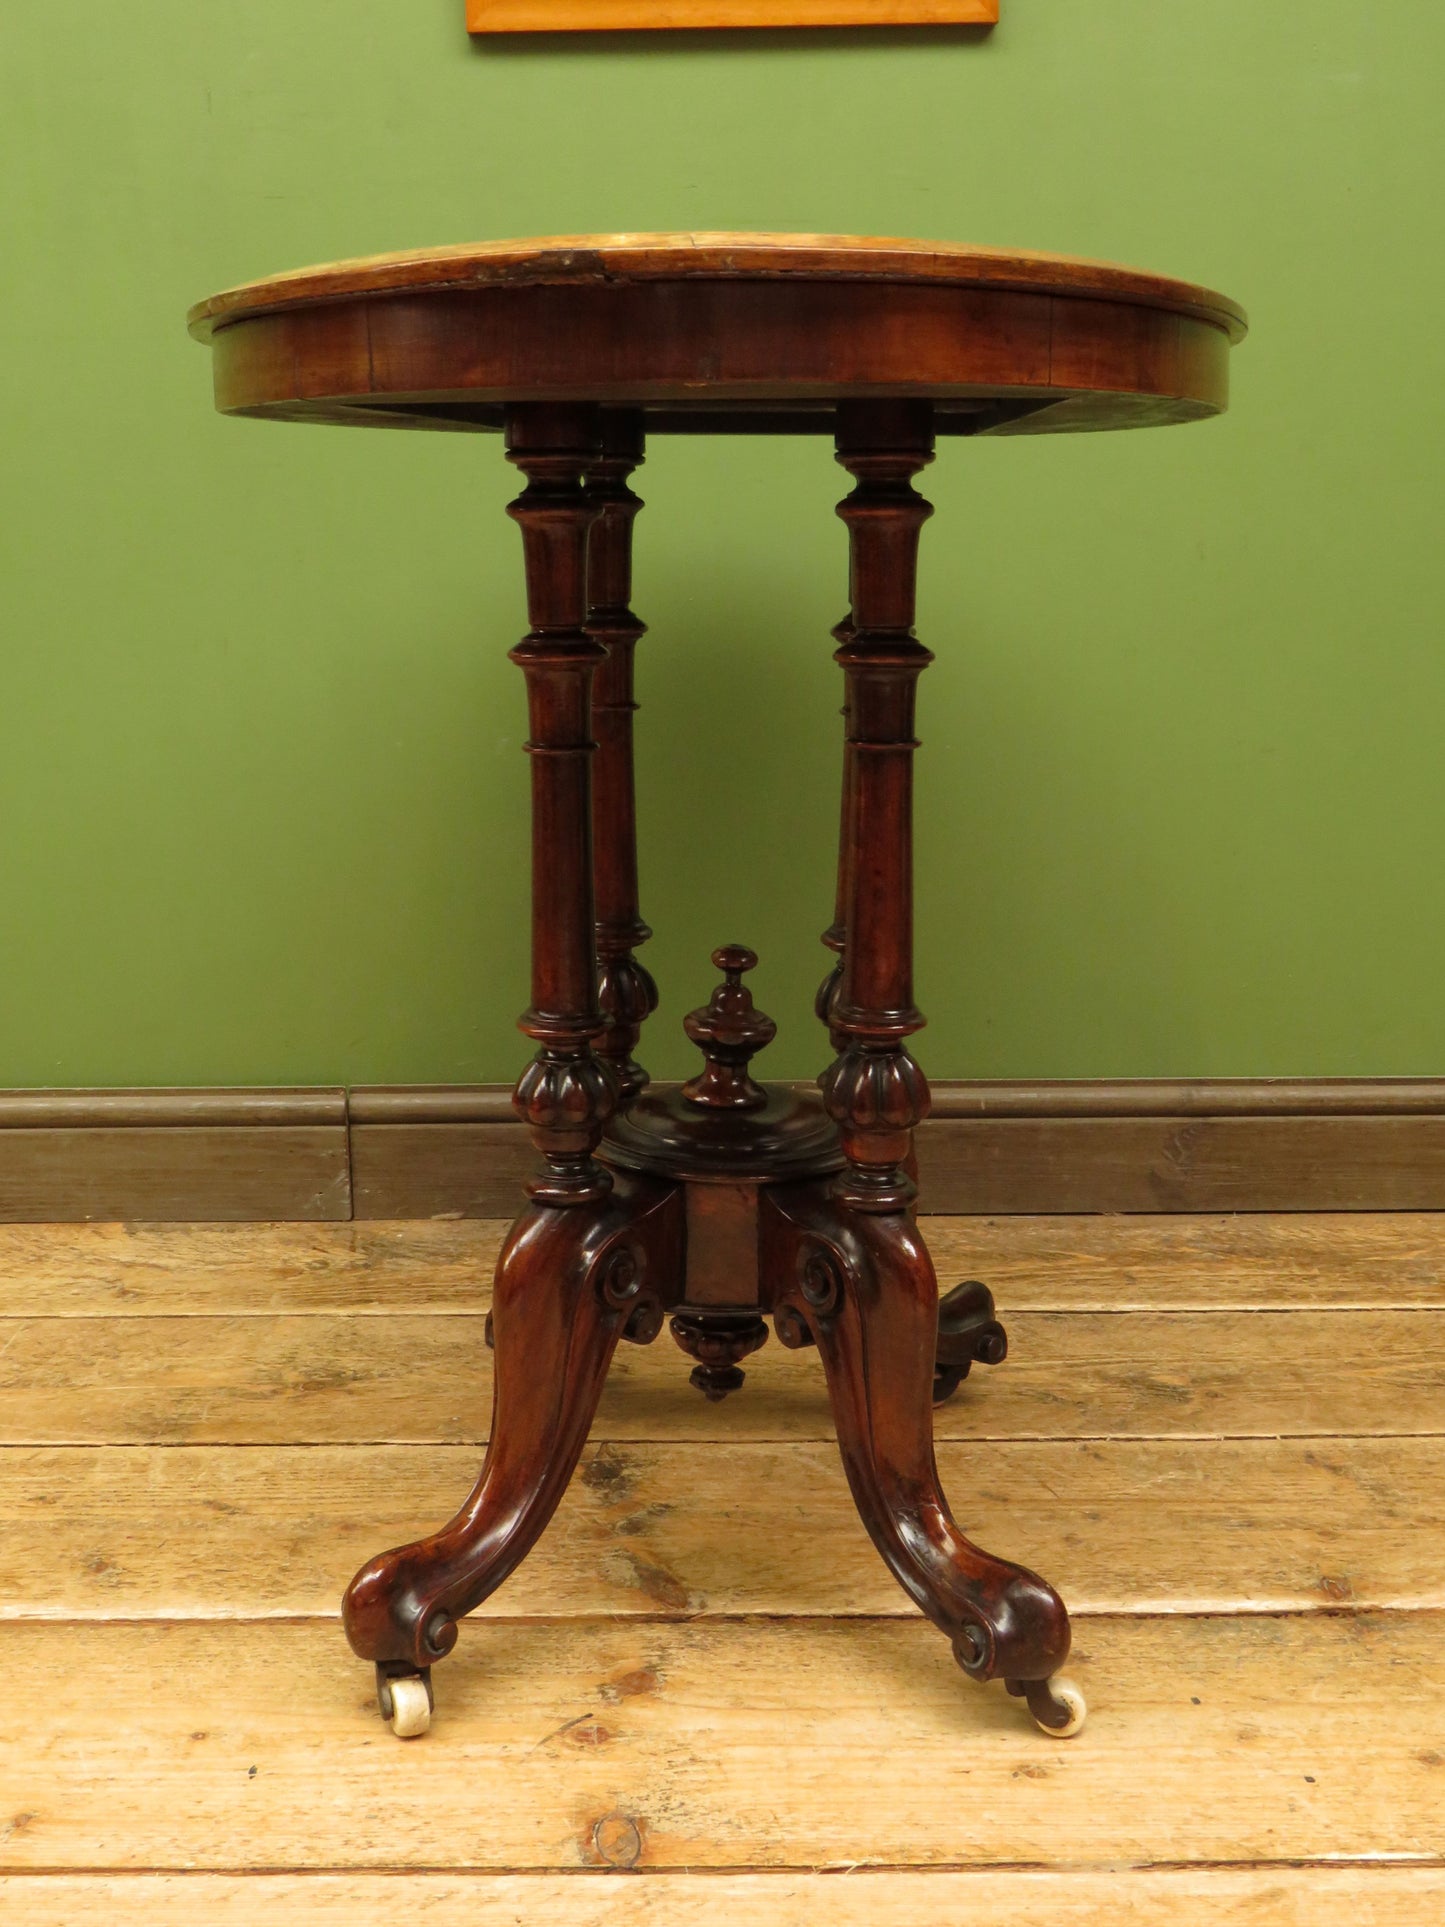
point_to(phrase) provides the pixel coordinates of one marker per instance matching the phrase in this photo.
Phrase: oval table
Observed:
(726, 1201)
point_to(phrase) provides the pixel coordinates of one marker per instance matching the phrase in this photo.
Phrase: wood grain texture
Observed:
(1186, 1262)
(571, 259)
(759, 333)
(139, 1270)
(1257, 1525)
(433, 1170)
(1332, 1260)
(202, 1171)
(1183, 1097)
(723, 1745)
(1025, 1164)
(174, 1105)
(610, 16)
(324, 1379)
(668, 1732)
(1276, 1896)
(765, 355)
(1338, 1163)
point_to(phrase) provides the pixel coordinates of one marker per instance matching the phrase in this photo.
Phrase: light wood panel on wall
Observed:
(573, 16)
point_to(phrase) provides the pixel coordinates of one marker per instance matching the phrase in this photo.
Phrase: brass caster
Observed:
(1057, 1704)
(405, 1700)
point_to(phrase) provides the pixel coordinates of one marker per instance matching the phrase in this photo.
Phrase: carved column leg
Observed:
(590, 1261)
(569, 1284)
(860, 1285)
(874, 1089)
(565, 1094)
(626, 991)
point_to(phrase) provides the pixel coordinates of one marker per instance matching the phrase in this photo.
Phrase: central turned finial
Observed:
(729, 1031)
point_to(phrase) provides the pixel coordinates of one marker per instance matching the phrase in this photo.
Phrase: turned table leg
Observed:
(565, 1095)
(851, 1271)
(835, 937)
(626, 991)
(595, 1258)
(874, 1089)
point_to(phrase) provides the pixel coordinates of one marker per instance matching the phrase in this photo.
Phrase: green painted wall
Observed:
(1182, 805)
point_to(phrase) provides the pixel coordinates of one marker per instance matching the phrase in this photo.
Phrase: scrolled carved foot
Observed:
(1007, 1621)
(718, 1340)
(861, 1287)
(1057, 1704)
(570, 1283)
(969, 1334)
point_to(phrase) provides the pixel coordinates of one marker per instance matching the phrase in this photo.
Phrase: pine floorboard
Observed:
(1378, 1895)
(703, 1697)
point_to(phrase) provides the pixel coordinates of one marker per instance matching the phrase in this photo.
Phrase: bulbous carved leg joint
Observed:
(565, 1096)
(719, 1341)
(877, 1095)
(828, 995)
(627, 995)
(969, 1334)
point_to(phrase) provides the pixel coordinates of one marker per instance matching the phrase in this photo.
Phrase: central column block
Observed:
(723, 1138)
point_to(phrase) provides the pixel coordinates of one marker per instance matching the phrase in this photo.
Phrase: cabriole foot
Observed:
(860, 1284)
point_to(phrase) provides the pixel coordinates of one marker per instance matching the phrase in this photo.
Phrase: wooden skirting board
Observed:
(414, 1151)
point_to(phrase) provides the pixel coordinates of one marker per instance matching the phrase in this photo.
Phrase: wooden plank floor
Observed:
(703, 1696)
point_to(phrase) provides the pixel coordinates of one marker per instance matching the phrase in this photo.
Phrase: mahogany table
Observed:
(727, 1201)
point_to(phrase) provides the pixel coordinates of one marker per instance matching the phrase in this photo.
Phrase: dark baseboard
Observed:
(69, 1156)
(1230, 1144)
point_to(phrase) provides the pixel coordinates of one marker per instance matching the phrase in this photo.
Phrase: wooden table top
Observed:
(716, 331)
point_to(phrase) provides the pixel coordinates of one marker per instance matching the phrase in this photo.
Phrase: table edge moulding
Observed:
(725, 1203)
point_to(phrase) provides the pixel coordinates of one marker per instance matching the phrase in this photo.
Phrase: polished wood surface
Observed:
(727, 1202)
(718, 332)
(565, 1095)
(580, 259)
(583, 16)
(626, 993)
(678, 1678)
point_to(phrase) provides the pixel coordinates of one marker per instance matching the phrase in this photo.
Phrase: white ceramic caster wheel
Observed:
(410, 1706)
(1064, 1693)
